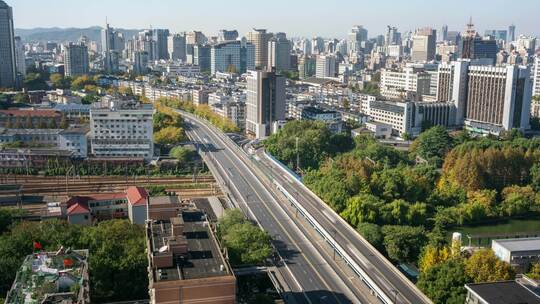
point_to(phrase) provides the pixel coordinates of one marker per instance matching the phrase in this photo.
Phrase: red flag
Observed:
(37, 245)
(68, 263)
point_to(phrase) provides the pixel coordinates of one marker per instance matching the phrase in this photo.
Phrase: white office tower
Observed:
(20, 56)
(8, 70)
(452, 86)
(265, 103)
(325, 66)
(76, 60)
(259, 38)
(279, 53)
(424, 45)
(536, 76)
(410, 83)
(488, 99)
(499, 98)
(121, 128)
(177, 47)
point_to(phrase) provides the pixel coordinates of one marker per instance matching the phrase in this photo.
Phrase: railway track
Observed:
(23, 179)
(58, 185)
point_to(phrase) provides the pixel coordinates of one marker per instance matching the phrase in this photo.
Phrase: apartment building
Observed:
(122, 128)
(409, 83)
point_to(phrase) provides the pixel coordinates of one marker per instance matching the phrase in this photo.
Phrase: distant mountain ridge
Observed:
(57, 34)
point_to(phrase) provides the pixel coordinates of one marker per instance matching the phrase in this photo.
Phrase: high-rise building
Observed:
(499, 98)
(225, 57)
(226, 35)
(325, 66)
(75, 59)
(160, 38)
(259, 38)
(511, 33)
(195, 37)
(317, 45)
(145, 43)
(392, 36)
(501, 35)
(247, 56)
(20, 57)
(488, 99)
(525, 45)
(536, 76)
(279, 53)
(452, 86)
(8, 70)
(424, 45)
(140, 62)
(306, 67)
(202, 56)
(107, 39)
(356, 36)
(305, 46)
(474, 47)
(443, 35)
(112, 45)
(177, 47)
(265, 103)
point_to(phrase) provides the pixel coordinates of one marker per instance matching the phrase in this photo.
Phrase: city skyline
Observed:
(298, 18)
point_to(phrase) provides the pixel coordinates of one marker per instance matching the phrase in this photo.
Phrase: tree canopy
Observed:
(117, 258)
(246, 243)
(433, 144)
(315, 144)
(444, 283)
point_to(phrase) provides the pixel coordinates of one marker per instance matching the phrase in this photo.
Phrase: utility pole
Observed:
(297, 156)
(67, 181)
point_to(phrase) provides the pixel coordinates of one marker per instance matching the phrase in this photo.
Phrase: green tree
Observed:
(534, 271)
(404, 243)
(517, 200)
(444, 283)
(169, 136)
(118, 261)
(315, 143)
(484, 266)
(21, 98)
(432, 256)
(245, 242)
(80, 82)
(182, 154)
(372, 233)
(363, 208)
(535, 177)
(433, 145)
(60, 82)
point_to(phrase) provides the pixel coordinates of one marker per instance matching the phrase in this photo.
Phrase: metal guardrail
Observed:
(339, 250)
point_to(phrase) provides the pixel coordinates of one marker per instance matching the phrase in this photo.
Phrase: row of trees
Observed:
(203, 111)
(167, 126)
(117, 259)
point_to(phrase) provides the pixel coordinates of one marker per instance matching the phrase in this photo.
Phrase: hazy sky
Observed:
(296, 17)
